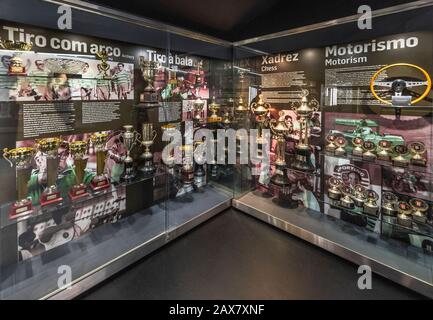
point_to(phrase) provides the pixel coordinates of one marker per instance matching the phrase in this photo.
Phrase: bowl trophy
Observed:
(389, 204)
(404, 217)
(49, 147)
(384, 152)
(418, 151)
(16, 67)
(103, 66)
(281, 131)
(357, 150)
(130, 138)
(370, 205)
(214, 108)
(22, 158)
(78, 150)
(420, 208)
(400, 159)
(334, 190)
(100, 181)
(303, 149)
(149, 98)
(148, 136)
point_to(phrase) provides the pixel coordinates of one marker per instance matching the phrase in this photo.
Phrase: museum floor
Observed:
(234, 256)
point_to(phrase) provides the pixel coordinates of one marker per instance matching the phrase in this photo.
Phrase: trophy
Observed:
(401, 158)
(303, 148)
(370, 205)
(130, 137)
(148, 136)
(418, 150)
(346, 201)
(22, 157)
(78, 151)
(214, 108)
(103, 66)
(169, 128)
(16, 67)
(341, 143)
(100, 181)
(260, 110)
(198, 106)
(389, 204)
(226, 120)
(420, 208)
(199, 171)
(404, 217)
(331, 146)
(369, 147)
(49, 147)
(241, 109)
(148, 69)
(281, 131)
(359, 196)
(187, 170)
(384, 153)
(334, 190)
(357, 146)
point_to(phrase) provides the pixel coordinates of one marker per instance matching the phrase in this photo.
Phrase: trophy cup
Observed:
(148, 69)
(130, 137)
(49, 147)
(341, 143)
(16, 67)
(148, 136)
(404, 217)
(241, 109)
(100, 181)
(420, 208)
(331, 146)
(369, 147)
(226, 120)
(334, 190)
(22, 157)
(78, 151)
(103, 66)
(357, 146)
(389, 204)
(280, 130)
(401, 158)
(384, 153)
(303, 148)
(359, 196)
(214, 108)
(170, 161)
(199, 171)
(187, 170)
(346, 201)
(198, 106)
(418, 150)
(260, 110)
(370, 205)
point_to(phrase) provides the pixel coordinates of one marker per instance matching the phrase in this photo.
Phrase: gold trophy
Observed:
(148, 136)
(369, 147)
(78, 150)
(214, 108)
(260, 110)
(148, 69)
(331, 146)
(346, 201)
(198, 106)
(357, 146)
(100, 181)
(389, 204)
(103, 66)
(130, 137)
(401, 156)
(420, 208)
(16, 67)
(241, 109)
(418, 150)
(341, 143)
(303, 148)
(281, 131)
(334, 190)
(404, 217)
(370, 205)
(22, 158)
(49, 147)
(384, 153)
(359, 195)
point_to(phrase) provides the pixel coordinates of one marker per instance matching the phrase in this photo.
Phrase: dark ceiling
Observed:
(236, 20)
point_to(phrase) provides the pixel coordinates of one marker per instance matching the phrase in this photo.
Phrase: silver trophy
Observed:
(130, 138)
(148, 136)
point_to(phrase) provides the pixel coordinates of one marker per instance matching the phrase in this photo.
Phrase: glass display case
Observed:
(349, 117)
(100, 163)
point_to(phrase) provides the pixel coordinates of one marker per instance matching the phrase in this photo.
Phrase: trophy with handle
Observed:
(148, 136)
(49, 147)
(78, 150)
(149, 97)
(16, 67)
(103, 66)
(281, 131)
(100, 181)
(260, 110)
(130, 138)
(22, 158)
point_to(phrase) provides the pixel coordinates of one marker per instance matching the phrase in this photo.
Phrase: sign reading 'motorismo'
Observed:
(341, 55)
